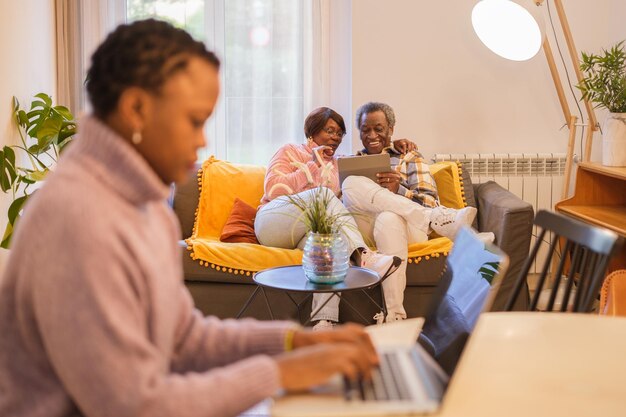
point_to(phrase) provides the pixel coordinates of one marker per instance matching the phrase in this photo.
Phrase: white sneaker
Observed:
(377, 262)
(391, 317)
(379, 317)
(446, 221)
(323, 325)
(486, 237)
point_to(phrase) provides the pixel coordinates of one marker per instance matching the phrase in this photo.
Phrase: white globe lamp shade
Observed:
(508, 29)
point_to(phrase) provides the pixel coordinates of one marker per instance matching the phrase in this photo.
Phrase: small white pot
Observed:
(614, 140)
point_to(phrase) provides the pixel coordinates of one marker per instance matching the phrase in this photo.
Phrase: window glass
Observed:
(260, 45)
(185, 14)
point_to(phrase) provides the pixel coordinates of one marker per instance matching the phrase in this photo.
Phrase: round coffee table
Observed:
(292, 279)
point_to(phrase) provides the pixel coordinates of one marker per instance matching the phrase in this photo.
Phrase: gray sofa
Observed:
(223, 294)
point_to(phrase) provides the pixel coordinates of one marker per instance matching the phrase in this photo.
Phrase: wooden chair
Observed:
(584, 258)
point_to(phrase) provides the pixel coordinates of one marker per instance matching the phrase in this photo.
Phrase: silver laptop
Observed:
(414, 371)
(363, 166)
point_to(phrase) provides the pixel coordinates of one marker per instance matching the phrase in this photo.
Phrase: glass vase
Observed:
(325, 259)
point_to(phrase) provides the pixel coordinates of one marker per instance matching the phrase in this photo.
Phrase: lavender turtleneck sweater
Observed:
(94, 317)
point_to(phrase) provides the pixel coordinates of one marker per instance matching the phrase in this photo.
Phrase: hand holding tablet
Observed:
(389, 180)
(365, 166)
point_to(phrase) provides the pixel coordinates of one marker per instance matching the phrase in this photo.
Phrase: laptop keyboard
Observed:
(390, 383)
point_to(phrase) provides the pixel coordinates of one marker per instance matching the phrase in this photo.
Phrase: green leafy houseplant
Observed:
(45, 130)
(325, 257)
(604, 81)
(488, 271)
(315, 213)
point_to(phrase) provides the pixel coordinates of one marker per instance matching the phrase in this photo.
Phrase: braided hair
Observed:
(142, 54)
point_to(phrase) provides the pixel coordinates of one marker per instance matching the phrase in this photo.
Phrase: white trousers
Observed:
(392, 222)
(279, 224)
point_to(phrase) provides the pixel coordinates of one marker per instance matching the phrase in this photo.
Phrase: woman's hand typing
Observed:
(319, 355)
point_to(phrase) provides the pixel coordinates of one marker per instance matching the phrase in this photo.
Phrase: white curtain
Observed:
(67, 14)
(81, 27)
(98, 18)
(263, 93)
(327, 60)
(316, 54)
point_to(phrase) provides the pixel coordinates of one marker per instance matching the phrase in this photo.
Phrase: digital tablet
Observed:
(364, 166)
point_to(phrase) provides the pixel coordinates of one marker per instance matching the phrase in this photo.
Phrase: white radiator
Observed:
(535, 178)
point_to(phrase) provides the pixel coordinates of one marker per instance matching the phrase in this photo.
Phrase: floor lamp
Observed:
(512, 31)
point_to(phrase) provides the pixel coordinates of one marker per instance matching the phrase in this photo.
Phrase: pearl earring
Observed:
(137, 138)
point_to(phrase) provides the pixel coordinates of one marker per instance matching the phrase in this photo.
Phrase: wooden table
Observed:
(541, 364)
(537, 364)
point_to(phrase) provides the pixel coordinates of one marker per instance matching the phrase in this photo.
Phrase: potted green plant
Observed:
(45, 130)
(325, 257)
(604, 84)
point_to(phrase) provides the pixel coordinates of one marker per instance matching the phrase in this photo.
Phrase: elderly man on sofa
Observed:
(407, 187)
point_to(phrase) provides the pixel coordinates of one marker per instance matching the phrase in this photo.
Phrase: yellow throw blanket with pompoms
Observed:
(432, 248)
(220, 182)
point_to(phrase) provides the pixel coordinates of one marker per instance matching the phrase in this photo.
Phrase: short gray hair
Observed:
(372, 107)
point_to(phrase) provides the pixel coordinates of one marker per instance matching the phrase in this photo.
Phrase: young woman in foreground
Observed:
(94, 317)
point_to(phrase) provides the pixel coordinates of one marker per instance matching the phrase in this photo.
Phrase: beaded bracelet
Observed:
(289, 339)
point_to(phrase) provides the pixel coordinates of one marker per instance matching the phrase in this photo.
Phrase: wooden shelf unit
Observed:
(600, 199)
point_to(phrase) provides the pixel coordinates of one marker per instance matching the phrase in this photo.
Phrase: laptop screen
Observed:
(466, 288)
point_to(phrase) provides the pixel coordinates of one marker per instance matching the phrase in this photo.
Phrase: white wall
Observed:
(27, 51)
(451, 94)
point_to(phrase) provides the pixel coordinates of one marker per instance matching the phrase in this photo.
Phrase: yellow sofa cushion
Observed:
(449, 182)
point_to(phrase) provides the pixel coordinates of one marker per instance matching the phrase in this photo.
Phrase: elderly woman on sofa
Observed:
(298, 169)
